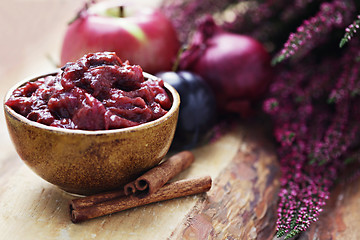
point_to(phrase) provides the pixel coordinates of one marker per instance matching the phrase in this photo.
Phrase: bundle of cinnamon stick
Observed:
(151, 187)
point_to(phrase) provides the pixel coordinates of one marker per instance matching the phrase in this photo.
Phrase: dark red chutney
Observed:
(97, 92)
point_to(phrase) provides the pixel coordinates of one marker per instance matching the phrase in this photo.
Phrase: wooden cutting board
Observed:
(240, 204)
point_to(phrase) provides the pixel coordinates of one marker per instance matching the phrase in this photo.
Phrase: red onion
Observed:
(236, 67)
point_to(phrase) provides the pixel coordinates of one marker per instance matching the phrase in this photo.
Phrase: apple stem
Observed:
(121, 11)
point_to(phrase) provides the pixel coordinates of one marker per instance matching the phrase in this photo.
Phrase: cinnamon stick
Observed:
(169, 191)
(156, 177)
(96, 199)
(130, 188)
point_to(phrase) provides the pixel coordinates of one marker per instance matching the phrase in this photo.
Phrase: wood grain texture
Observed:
(242, 202)
(31, 208)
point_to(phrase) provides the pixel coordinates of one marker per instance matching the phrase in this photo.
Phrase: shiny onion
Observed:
(236, 67)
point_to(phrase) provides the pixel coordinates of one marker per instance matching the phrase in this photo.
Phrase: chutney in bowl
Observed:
(88, 161)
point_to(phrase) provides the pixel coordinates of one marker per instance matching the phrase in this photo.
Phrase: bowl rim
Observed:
(174, 107)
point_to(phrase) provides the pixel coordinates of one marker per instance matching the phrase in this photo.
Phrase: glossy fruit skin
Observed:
(245, 74)
(236, 67)
(146, 38)
(197, 114)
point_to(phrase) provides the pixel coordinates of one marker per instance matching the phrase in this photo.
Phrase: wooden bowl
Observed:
(87, 162)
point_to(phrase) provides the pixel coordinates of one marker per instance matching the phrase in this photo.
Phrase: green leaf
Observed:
(343, 42)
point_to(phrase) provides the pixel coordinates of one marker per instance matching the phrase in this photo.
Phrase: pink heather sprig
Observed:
(304, 191)
(350, 31)
(349, 81)
(311, 32)
(335, 142)
(308, 127)
(298, 207)
(343, 129)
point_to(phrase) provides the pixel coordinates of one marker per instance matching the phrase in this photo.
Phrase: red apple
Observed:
(143, 35)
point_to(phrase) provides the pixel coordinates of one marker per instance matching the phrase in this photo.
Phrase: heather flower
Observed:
(334, 143)
(271, 106)
(313, 30)
(350, 31)
(347, 85)
(285, 137)
(304, 191)
(314, 134)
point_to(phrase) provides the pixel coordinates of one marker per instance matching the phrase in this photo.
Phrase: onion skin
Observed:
(147, 38)
(236, 67)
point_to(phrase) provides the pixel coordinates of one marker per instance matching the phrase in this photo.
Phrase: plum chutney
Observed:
(97, 92)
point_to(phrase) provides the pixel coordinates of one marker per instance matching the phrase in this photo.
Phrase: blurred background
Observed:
(32, 33)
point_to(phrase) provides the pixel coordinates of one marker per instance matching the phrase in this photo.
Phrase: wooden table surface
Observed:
(240, 205)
